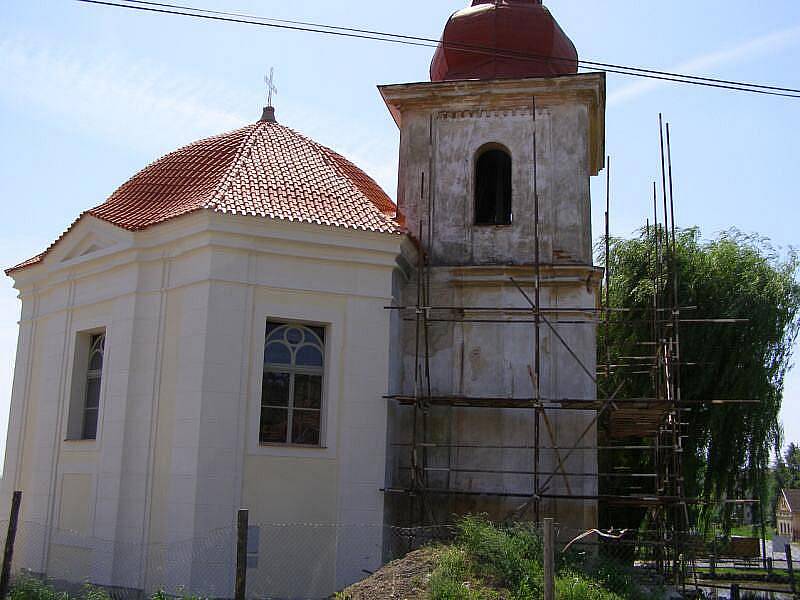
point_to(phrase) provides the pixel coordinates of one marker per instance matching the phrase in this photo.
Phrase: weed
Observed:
(576, 586)
(455, 579)
(180, 594)
(617, 577)
(27, 587)
(512, 556)
(92, 592)
(510, 559)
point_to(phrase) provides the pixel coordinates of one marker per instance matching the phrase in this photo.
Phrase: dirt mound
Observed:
(402, 579)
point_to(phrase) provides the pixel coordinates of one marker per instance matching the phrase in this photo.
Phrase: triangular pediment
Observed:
(90, 244)
(88, 239)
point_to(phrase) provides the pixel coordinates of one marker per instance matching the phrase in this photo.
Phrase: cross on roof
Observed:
(271, 89)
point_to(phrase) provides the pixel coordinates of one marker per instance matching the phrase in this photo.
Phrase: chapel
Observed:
(250, 321)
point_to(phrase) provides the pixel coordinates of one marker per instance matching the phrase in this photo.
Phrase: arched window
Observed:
(493, 186)
(291, 395)
(93, 378)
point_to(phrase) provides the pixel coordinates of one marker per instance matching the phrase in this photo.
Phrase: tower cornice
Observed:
(588, 89)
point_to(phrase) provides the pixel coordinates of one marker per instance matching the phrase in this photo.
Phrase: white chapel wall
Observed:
(175, 455)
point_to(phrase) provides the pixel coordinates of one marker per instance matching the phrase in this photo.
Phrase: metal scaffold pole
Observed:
(537, 366)
(650, 421)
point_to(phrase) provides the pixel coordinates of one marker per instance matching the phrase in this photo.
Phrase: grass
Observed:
(30, 588)
(733, 573)
(454, 578)
(487, 562)
(576, 586)
(26, 587)
(752, 531)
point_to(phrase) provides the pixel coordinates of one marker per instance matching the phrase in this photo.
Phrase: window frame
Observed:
(293, 370)
(480, 152)
(82, 376)
(94, 375)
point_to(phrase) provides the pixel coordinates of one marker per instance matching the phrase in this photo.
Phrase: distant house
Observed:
(788, 514)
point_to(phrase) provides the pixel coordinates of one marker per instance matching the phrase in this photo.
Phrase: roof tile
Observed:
(793, 499)
(264, 169)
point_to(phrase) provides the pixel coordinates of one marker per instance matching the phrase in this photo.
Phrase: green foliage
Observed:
(728, 447)
(180, 594)
(454, 579)
(513, 556)
(30, 588)
(784, 475)
(618, 578)
(92, 592)
(27, 587)
(489, 562)
(571, 585)
(787, 472)
(443, 588)
(455, 563)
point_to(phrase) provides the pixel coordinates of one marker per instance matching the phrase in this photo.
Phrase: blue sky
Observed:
(91, 94)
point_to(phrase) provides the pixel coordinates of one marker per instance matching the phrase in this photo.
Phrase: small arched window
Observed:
(493, 187)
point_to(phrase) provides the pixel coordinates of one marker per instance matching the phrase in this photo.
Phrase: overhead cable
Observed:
(351, 32)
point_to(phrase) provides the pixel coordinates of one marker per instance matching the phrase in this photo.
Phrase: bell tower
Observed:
(497, 319)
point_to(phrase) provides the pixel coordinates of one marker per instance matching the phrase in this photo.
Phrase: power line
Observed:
(429, 42)
(468, 47)
(292, 25)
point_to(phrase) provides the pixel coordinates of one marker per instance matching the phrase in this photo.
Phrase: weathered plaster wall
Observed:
(444, 125)
(553, 130)
(445, 145)
(496, 360)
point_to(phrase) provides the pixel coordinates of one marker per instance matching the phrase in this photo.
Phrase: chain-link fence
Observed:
(694, 565)
(284, 560)
(129, 569)
(314, 560)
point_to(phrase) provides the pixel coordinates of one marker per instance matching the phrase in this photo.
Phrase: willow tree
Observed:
(728, 447)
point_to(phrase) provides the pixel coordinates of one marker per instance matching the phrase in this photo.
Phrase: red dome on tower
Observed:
(503, 39)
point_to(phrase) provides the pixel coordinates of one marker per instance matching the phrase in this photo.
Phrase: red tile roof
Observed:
(264, 169)
(793, 500)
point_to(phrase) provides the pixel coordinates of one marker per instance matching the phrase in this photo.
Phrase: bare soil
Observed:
(402, 579)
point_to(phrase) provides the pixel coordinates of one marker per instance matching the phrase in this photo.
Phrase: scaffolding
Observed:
(656, 421)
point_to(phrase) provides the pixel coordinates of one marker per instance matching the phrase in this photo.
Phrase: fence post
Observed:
(790, 567)
(735, 592)
(241, 555)
(8, 552)
(763, 534)
(549, 560)
(714, 555)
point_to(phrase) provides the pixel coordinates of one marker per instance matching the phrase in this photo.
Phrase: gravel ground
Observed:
(403, 579)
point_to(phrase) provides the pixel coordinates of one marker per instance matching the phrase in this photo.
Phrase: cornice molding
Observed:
(470, 96)
(206, 229)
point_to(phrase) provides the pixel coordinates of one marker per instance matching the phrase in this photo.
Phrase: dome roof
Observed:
(503, 39)
(263, 169)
